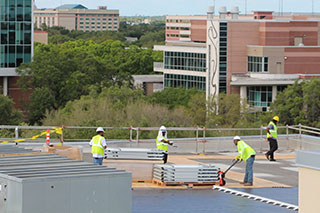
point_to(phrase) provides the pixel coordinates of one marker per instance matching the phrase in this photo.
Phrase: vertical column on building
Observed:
(243, 94)
(5, 86)
(274, 92)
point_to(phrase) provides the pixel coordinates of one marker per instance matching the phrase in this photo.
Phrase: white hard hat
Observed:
(236, 138)
(163, 129)
(99, 129)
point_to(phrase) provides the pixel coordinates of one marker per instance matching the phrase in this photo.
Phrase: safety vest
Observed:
(273, 132)
(161, 145)
(245, 151)
(97, 145)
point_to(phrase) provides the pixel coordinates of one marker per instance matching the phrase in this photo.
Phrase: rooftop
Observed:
(71, 6)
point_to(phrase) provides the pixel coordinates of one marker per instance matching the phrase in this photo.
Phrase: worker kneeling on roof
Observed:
(247, 154)
(163, 142)
(98, 144)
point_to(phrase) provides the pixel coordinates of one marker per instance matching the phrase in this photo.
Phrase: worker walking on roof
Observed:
(98, 144)
(163, 142)
(247, 154)
(272, 134)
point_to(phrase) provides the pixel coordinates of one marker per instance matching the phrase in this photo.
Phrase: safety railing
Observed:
(202, 138)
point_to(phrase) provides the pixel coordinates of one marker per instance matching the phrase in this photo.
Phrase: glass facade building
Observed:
(186, 81)
(16, 32)
(223, 59)
(260, 96)
(185, 61)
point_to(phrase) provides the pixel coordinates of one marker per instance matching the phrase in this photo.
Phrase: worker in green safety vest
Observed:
(98, 145)
(163, 142)
(247, 154)
(272, 135)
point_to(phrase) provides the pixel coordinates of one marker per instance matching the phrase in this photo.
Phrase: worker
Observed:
(98, 144)
(247, 154)
(163, 142)
(272, 134)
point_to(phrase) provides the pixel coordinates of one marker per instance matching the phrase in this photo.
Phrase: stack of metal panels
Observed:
(134, 153)
(51, 184)
(186, 173)
(13, 149)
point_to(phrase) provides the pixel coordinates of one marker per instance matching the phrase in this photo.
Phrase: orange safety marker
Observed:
(48, 137)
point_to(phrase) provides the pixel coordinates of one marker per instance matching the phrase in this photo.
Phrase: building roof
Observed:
(71, 6)
(139, 79)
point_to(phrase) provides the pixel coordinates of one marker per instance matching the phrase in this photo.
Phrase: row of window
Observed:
(177, 21)
(186, 81)
(13, 55)
(103, 27)
(15, 13)
(223, 60)
(257, 64)
(178, 35)
(99, 23)
(259, 96)
(104, 15)
(185, 61)
(104, 19)
(178, 28)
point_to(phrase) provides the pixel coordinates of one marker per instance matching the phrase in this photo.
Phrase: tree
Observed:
(172, 97)
(299, 103)
(69, 70)
(9, 116)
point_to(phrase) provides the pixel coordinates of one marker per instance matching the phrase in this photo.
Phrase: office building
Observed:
(16, 45)
(253, 55)
(78, 17)
(184, 61)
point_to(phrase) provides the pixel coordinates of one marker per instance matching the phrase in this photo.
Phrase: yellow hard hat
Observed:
(276, 118)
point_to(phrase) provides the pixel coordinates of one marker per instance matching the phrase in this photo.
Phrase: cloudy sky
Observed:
(184, 7)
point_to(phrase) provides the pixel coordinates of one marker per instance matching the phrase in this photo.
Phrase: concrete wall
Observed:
(199, 30)
(309, 186)
(41, 36)
(275, 56)
(67, 21)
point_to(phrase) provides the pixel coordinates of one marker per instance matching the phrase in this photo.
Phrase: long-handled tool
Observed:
(222, 174)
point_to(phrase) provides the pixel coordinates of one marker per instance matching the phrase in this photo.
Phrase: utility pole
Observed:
(312, 1)
(246, 7)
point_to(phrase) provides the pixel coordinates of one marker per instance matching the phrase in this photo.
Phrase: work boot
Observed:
(242, 182)
(273, 160)
(267, 156)
(248, 184)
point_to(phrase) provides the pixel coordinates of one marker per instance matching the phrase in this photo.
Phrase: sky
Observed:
(184, 7)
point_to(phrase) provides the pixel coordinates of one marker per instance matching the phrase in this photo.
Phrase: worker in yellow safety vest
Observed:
(163, 142)
(247, 154)
(272, 135)
(98, 145)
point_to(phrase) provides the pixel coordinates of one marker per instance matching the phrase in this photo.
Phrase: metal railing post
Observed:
(197, 139)
(287, 133)
(300, 130)
(137, 136)
(261, 135)
(62, 135)
(204, 141)
(16, 132)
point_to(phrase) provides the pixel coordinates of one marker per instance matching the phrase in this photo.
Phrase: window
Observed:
(259, 96)
(81, 18)
(185, 61)
(184, 36)
(185, 81)
(223, 57)
(257, 64)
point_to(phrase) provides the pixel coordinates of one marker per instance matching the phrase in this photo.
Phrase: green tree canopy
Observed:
(299, 103)
(9, 116)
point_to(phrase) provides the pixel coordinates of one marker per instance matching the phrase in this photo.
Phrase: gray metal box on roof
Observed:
(54, 184)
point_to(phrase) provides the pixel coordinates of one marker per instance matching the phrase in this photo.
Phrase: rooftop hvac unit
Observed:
(54, 184)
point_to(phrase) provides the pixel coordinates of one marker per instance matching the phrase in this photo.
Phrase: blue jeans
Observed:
(248, 178)
(97, 161)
